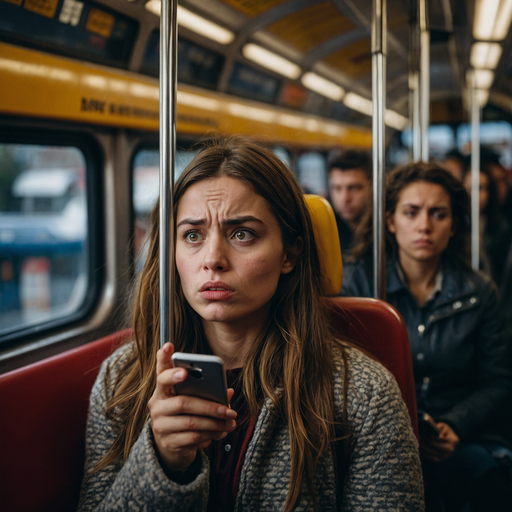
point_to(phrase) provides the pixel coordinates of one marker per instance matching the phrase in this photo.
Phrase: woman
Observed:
(460, 356)
(248, 291)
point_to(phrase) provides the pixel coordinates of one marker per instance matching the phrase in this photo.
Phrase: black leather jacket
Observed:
(461, 355)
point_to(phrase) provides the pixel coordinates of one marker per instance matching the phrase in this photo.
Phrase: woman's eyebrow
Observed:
(230, 222)
(193, 222)
(241, 220)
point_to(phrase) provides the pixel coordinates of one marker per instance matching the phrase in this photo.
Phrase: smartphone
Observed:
(426, 425)
(206, 377)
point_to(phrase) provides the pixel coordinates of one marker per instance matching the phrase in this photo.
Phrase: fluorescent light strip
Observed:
(485, 55)
(271, 60)
(492, 19)
(364, 105)
(395, 120)
(486, 12)
(322, 86)
(358, 103)
(482, 96)
(503, 21)
(484, 78)
(198, 24)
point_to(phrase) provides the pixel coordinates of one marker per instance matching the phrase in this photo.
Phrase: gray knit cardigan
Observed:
(384, 472)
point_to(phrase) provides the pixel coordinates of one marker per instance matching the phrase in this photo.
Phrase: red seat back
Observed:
(43, 410)
(377, 327)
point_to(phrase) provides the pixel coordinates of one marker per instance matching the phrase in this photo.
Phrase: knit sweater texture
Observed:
(384, 473)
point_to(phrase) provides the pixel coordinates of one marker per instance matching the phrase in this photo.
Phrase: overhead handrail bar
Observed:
(379, 52)
(475, 173)
(167, 140)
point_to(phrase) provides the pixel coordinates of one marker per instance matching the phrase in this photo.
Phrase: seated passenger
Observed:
(315, 424)
(350, 184)
(460, 355)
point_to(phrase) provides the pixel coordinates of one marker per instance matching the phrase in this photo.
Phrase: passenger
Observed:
(310, 409)
(460, 356)
(501, 179)
(455, 162)
(494, 229)
(350, 183)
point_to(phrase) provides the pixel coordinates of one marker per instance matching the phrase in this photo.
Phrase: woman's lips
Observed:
(423, 242)
(215, 291)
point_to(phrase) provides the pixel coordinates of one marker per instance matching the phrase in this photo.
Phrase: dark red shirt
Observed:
(227, 455)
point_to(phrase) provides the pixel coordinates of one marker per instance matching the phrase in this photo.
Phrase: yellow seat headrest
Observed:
(327, 243)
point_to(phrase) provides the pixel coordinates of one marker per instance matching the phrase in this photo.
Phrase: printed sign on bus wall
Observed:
(43, 7)
(100, 22)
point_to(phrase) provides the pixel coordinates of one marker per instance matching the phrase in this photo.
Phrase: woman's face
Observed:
(229, 251)
(422, 222)
(483, 197)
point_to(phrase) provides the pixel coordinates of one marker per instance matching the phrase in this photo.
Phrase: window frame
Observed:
(95, 244)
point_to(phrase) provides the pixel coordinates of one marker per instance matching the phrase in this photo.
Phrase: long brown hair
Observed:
(295, 340)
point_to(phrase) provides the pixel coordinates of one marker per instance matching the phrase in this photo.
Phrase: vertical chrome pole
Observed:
(414, 88)
(424, 80)
(416, 127)
(168, 85)
(475, 175)
(379, 51)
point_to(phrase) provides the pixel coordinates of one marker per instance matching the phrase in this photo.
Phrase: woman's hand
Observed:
(441, 447)
(182, 424)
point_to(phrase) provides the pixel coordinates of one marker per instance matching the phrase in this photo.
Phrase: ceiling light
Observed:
(271, 61)
(484, 78)
(503, 22)
(322, 86)
(492, 19)
(485, 55)
(198, 24)
(482, 96)
(356, 102)
(396, 120)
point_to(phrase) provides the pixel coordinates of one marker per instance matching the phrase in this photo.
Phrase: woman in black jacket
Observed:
(458, 343)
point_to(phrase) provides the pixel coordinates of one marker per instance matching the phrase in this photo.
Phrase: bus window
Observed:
(312, 173)
(145, 170)
(283, 155)
(43, 234)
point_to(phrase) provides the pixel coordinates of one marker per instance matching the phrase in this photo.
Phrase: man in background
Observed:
(350, 176)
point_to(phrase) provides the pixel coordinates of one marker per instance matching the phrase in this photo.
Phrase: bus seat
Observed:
(43, 410)
(372, 324)
(378, 328)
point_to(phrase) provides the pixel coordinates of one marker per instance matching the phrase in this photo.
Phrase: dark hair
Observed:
(353, 159)
(400, 178)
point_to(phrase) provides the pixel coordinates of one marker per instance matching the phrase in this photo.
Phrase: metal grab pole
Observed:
(168, 85)
(424, 79)
(475, 175)
(414, 87)
(379, 51)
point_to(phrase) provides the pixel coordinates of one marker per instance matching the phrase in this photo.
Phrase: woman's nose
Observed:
(425, 222)
(216, 255)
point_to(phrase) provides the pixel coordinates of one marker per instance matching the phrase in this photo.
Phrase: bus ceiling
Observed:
(307, 56)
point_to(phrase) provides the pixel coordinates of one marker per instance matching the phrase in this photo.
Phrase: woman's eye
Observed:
(243, 235)
(193, 237)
